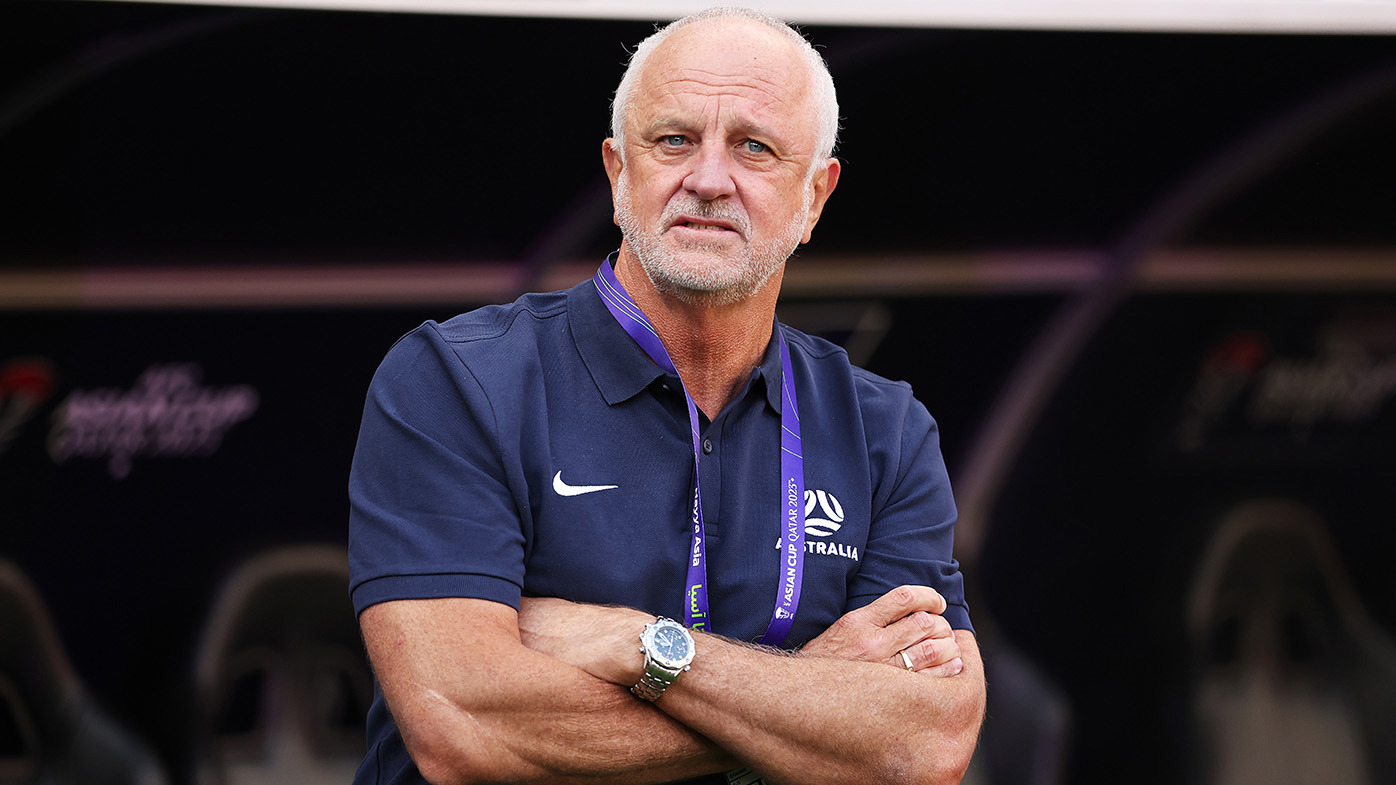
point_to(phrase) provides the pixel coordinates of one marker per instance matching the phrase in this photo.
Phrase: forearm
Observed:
(815, 720)
(481, 707)
(838, 714)
(595, 734)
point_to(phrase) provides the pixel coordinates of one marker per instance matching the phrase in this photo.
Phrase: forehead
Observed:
(750, 70)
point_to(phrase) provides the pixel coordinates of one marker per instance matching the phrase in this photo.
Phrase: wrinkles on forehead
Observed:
(757, 83)
(751, 73)
(775, 94)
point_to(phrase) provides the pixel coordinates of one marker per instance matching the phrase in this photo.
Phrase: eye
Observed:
(754, 147)
(674, 140)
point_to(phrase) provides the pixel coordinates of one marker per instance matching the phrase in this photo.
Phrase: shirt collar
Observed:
(769, 370)
(620, 368)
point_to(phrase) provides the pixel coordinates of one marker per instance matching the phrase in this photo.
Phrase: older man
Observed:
(538, 486)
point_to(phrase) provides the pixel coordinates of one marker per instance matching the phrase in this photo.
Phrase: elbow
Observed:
(456, 757)
(441, 770)
(951, 763)
(454, 765)
(942, 753)
(441, 762)
(941, 759)
(941, 762)
(960, 739)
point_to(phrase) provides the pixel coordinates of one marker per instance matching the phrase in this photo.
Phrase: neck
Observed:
(714, 347)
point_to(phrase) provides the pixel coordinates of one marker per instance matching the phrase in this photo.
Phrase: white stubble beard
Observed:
(713, 280)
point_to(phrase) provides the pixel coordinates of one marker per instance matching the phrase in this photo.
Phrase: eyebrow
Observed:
(761, 131)
(664, 123)
(752, 129)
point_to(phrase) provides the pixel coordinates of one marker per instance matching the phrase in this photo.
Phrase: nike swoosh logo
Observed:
(563, 489)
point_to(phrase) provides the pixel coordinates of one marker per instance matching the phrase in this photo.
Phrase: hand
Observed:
(907, 619)
(603, 640)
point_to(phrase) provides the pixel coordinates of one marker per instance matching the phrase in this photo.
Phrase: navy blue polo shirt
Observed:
(479, 432)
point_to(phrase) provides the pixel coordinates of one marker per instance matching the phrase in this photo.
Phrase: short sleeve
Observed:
(911, 535)
(431, 511)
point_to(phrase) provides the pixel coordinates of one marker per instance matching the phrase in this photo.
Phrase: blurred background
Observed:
(1141, 266)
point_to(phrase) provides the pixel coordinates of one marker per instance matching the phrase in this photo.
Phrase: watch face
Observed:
(671, 644)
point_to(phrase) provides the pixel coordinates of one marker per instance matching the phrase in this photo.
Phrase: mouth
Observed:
(715, 226)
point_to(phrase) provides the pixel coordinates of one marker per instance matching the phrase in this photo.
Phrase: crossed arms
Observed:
(482, 693)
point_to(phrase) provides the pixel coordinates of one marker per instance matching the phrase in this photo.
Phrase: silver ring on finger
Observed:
(906, 660)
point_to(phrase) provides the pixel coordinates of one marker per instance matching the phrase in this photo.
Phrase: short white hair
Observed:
(826, 100)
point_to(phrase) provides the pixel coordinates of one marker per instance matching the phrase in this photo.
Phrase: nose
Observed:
(711, 174)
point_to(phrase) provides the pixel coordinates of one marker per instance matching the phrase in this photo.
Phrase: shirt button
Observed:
(707, 446)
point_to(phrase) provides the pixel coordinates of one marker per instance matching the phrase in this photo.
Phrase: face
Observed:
(671, 644)
(719, 181)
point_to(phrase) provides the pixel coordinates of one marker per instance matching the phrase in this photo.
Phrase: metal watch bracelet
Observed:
(650, 687)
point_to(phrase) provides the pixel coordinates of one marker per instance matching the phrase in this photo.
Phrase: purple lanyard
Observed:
(792, 469)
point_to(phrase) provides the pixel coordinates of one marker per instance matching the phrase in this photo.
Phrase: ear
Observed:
(611, 159)
(825, 180)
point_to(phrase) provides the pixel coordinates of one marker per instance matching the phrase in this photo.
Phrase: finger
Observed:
(953, 668)
(917, 627)
(933, 643)
(934, 652)
(936, 660)
(900, 602)
(903, 660)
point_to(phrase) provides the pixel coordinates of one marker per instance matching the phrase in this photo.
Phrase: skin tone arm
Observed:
(833, 714)
(475, 704)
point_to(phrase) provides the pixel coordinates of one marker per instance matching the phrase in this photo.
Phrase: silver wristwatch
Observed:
(668, 649)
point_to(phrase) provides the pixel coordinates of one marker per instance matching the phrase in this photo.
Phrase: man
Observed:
(525, 500)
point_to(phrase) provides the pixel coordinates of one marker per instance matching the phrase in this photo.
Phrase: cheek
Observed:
(653, 196)
(781, 211)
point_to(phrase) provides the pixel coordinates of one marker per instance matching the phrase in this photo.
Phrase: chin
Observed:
(713, 274)
(704, 284)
